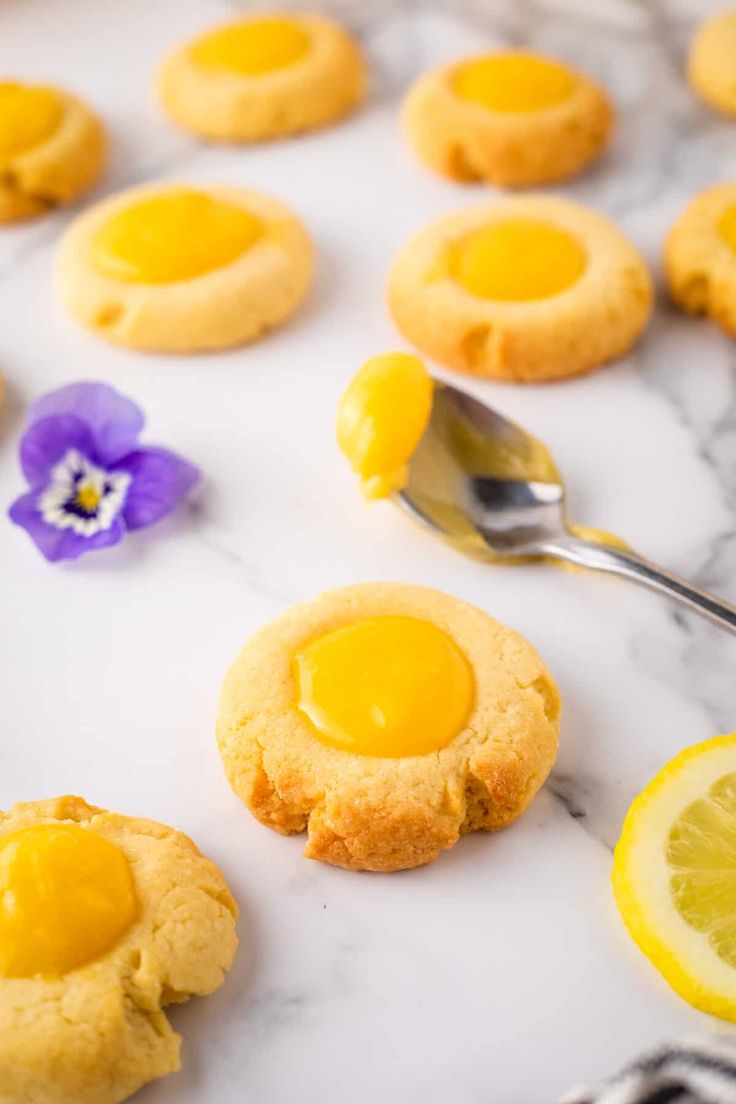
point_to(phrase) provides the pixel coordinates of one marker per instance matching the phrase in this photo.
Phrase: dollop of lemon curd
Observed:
(727, 227)
(514, 82)
(28, 116)
(381, 418)
(388, 686)
(176, 235)
(253, 48)
(517, 260)
(66, 897)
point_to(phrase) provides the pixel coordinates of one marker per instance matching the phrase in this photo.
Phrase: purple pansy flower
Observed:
(90, 480)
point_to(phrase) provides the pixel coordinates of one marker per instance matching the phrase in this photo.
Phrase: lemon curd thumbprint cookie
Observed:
(386, 720)
(52, 148)
(265, 76)
(172, 268)
(104, 920)
(700, 256)
(528, 288)
(710, 66)
(513, 119)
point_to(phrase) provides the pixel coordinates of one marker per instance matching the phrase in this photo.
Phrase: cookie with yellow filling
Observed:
(710, 66)
(52, 148)
(528, 288)
(700, 256)
(173, 268)
(386, 720)
(511, 118)
(265, 76)
(104, 920)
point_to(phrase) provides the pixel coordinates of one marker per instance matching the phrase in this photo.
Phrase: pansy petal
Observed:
(115, 421)
(47, 440)
(59, 544)
(160, 480)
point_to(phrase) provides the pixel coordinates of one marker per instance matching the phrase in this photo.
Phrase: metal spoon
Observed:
(494, 492)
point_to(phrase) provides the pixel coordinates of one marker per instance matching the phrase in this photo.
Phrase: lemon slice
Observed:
(674, 874)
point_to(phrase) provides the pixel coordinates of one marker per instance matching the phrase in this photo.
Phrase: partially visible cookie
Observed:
(174, 268)
(265, 76)
(52, 148)
(386, 720)
(700, 256)
(513, 118)
(525, 289)
(104, 920)
(710, 65)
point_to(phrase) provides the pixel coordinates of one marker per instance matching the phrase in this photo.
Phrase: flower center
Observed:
(514, 82)
(88, 498)
(66, 897)
(252, 48)
(82, 497)
(176, 235)
(27, 116)
(517, 260)
(385, 686)
(381, 419)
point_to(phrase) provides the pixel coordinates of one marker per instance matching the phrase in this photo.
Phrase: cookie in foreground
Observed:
(52, 148)
(265, 76)
(175, 268)
(524, 289)
(386, 720)
(104, 920)
(512, 118)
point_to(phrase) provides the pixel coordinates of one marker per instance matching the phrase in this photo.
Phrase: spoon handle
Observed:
(629, 565)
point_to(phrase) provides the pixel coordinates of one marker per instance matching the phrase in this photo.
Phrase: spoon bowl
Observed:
(494, 492)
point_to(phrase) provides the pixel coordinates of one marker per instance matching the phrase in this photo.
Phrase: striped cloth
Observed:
(692, 1071)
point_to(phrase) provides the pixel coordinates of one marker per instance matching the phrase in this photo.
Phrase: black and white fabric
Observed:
(693, 1071)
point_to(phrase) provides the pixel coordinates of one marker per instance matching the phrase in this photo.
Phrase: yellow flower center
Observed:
(381, 419)
(27, 116)
(727, 227)
(385, 686)
(514, 82)
(517, 260)
(66, 897)
(253, 47)
(88, 497)
(176, 235)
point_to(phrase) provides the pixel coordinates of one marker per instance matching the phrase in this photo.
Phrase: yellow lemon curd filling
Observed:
(517, 260)
(66, 897)
(385, 686)
(701, 851)
(252, 48)
(27, 117)
(514, 82)
(727, 227)
(381, 419)
(176, 235)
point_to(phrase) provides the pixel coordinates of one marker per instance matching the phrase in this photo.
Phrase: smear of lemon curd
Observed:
(388, 686)
(727, 227)
(517, 260)
(514, 82)
(254, 47)
(66, 897)
(381, 418)
(175, 235)
(28, 116)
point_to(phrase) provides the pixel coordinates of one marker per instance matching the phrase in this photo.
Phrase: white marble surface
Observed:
(501, 975)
